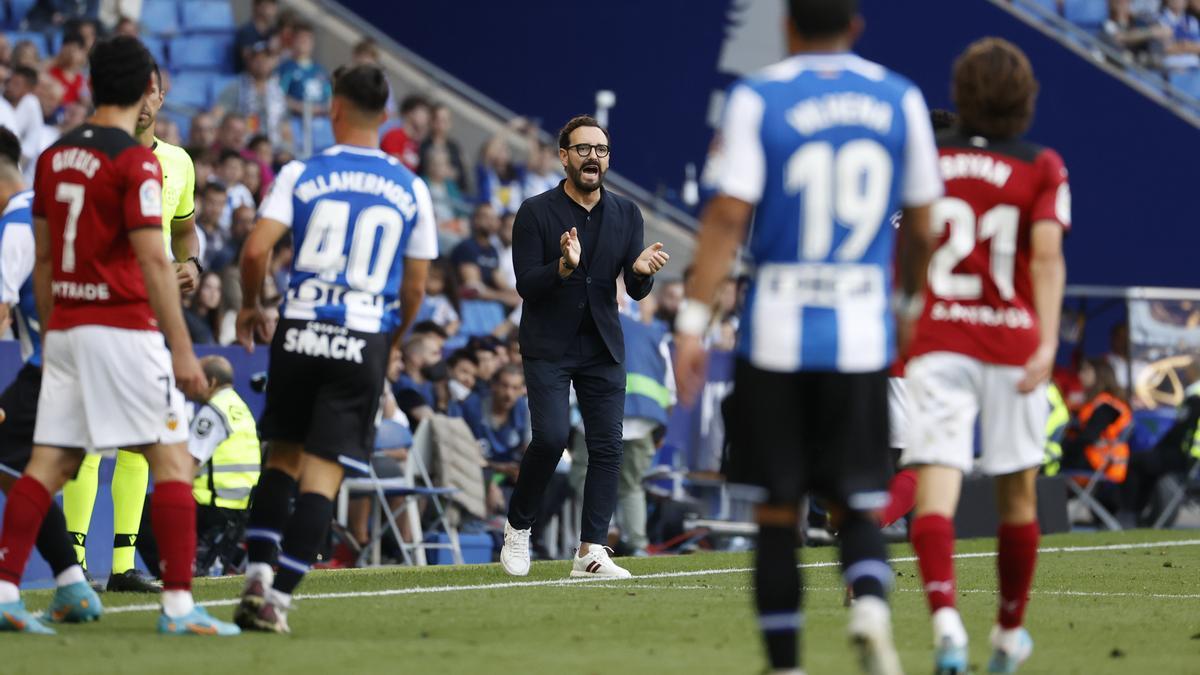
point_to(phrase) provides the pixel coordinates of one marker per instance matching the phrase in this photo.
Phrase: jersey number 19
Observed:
(850, 185)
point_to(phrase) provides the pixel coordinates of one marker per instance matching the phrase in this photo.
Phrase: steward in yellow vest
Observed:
(224, 442)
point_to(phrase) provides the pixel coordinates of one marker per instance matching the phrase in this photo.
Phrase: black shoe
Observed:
(132, 581)
(96, 585)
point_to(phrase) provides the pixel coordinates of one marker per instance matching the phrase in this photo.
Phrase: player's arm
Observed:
(185, 244)
(162, 290)
(16, 264)
(1048, 272)
(422, 248)
(412, 291)
(43, 270)
(256, 255)
(920, 186)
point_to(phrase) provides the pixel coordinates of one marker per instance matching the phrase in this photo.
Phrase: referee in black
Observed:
(569, 246)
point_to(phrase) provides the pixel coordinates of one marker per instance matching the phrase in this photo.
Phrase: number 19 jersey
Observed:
(355, 214)
(979, 297)
(827, 147)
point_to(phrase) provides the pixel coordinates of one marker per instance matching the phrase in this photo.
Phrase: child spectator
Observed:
(441, 124)
(441, 297)
(232, 172)
(68, 68)
(302, 79)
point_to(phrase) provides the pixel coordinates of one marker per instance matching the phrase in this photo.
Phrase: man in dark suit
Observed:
(569, 245)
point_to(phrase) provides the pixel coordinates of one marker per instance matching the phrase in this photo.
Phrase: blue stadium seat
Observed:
(1089, 14)
(480, 317)
(38, 40)
(192, 88)
(207, 15)
(158, 49)
(18, 9)
(219, 83)
(203, 52)
(1187, 81)
(184, 122)
(160, 17)
(322, 133)
(1050, 6)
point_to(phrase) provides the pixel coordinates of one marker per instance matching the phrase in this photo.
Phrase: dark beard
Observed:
(576, 176)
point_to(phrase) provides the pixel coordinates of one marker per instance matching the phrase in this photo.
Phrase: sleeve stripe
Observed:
(189, 215)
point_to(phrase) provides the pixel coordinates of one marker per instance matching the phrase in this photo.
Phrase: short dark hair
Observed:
(74, 37)
(215, 186)
(508, 369)
(228, 154)
(10, 146)
(460, 355)
(994, 88)
(564, 136)
(365, 86)
(29, 74)
(430, 327)
(256, 139)
(303, 26)
(822, 18)
(121, 68)
(412, 102)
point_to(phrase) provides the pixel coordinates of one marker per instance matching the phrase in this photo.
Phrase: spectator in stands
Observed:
(231, 171)
(464, 373)
(258, 95)
(231, 135)
(52, 122)
(127, 27)
(304, 80)
(1142, 36)
(404, 142)
(240, 226)
(51, 13)
(507, 274)
(422, 388)
(260, 151)
(449, 206)
(68, 69)
(253, 179)
(670, 297)
(260, 28)
(208, 220)
(5, 51)
(434, 332)
(477, 260)
(25, 53)
(498, 179)
(202, 313)
(1183, 51)
(440, 125)
(723, 334)
(167, 130)
(366, 52)
(440, 304)
(542, 172)
(1118, 357)
(484, 349)
(28, 116)
(204, 170)
(500, 421)
(1098, 437)
(202, 133)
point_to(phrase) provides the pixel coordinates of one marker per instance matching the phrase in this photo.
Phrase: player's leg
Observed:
(131, 476)
(548, 384)
(28, 501)
(944, 398)
(269, 514)
(902, 496)
(79, 499)
(902, 489)
(1011, 428)
(601, 392)
(765, 451)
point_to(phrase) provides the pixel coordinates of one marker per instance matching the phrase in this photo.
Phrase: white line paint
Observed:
(817, 589)
(419, 590)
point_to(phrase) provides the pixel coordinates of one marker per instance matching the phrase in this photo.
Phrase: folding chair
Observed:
(406, 486)
(1086, 493)
(1181, 495)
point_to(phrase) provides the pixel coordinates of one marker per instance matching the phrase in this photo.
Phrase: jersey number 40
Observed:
(323, 250)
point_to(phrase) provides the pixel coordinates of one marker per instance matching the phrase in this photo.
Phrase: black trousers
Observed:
(600, 388)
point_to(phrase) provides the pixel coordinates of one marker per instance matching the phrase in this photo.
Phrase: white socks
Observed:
(177, 603)
(260, 572)
(9, 592)
(71, 575)
(948, 623)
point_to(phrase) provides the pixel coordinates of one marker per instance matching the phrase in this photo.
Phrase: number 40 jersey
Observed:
(979, 297)
(355, 214)
(827, 147)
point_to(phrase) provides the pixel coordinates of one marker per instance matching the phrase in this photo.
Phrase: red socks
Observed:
(28, 502)
(1016, 559)
(173, 513)
(933, 540)
(903, 493)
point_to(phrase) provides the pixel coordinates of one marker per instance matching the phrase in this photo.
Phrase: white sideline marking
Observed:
(830, 589)
(417, 590)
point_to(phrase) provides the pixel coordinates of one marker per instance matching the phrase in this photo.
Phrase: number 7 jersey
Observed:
(979, 298)
(355, 214)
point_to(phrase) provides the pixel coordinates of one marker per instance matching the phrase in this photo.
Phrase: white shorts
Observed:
(897, 412)
(947, 391)
(105, 388)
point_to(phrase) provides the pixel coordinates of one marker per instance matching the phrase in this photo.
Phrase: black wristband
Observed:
(569, 267)
(196, 261)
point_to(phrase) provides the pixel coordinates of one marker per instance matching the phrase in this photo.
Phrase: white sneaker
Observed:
(1010, 648)
(597, 564)
(950, 643)
(871, 635)
(514, 556)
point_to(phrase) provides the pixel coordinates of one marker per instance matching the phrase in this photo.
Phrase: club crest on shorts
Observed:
(172, 421)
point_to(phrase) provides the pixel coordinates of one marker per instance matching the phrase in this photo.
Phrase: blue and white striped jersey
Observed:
(828, 147)
(355, 214)
(16, 274)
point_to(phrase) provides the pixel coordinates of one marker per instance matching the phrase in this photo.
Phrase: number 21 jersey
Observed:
(355, 214)
(979, 297)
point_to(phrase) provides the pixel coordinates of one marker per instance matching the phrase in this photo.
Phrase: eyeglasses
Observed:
(585, 149)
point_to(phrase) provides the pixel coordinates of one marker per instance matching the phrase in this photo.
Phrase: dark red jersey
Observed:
(979, 297)
(93, 187)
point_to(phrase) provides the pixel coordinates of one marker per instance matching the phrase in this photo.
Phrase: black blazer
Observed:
(554, 306)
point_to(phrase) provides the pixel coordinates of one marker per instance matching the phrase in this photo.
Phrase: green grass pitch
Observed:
(1130, 609)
